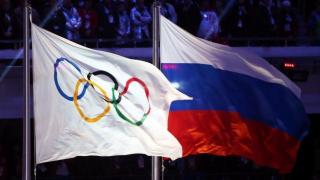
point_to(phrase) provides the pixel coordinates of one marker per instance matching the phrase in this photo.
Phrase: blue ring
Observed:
(56, 64)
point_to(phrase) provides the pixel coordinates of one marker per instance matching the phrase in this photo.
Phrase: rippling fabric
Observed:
(241, 104)
(78, 109)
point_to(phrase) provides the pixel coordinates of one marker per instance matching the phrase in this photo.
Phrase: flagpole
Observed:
(155, 169)
(156, 34)
(26, 154)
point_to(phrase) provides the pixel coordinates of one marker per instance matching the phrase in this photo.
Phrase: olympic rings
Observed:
(75, 101)
(70, 98)
(115, 102)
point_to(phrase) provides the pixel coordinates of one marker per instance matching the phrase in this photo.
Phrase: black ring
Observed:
(116, 85)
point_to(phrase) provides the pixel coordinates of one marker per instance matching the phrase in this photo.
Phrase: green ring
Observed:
(121, 115)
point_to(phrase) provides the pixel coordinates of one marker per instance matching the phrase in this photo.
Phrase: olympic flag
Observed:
(241, 104)
(89, 102)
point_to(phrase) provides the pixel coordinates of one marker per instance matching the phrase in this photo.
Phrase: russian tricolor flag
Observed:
(241, 104)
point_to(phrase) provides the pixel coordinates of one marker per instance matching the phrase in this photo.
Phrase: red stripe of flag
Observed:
(226, 133)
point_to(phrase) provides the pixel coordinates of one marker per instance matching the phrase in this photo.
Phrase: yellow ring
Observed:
(75, 100)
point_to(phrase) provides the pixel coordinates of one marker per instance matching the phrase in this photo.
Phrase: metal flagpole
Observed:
(26, 162)
(156, 169)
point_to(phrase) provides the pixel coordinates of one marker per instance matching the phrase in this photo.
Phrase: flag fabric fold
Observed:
(89, 102)
(241, 104)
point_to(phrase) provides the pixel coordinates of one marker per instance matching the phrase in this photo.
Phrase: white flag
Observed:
(89, 102)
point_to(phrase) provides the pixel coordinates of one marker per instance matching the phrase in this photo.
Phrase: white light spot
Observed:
(175, 85)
